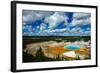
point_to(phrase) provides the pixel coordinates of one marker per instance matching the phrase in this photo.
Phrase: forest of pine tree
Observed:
(39, 57)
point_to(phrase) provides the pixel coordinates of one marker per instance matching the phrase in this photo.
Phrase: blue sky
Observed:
(51, 23)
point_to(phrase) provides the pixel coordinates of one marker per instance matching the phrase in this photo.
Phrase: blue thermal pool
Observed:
(72, 47)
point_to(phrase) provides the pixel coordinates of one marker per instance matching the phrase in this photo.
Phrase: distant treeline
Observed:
(46, 37)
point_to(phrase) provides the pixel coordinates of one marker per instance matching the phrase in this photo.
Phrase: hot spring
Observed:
(72, 47)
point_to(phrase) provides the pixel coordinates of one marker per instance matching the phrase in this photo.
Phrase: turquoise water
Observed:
(72, 47)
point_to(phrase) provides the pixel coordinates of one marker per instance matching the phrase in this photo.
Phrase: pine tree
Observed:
(77, 57)
(58, 58)
(39, 54)
(27, 57)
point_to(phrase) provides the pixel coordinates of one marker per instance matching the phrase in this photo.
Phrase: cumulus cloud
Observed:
(81, 15)
(42, 27)
(81, 19)
(55, 23)
(76, 30)
(76, 22)
(28, 30)
(87, 33)
(59, 30)
(55, 19)
(30, 16)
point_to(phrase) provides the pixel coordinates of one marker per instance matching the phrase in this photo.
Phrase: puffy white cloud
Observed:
(42, 26)
(28, 19)
(76, 30)
(38, 27)
(52, 20)
(55, 19)
(88, 29)
(81, 15)
(59, 30)
(76, 22)
(28, 30)
(66, 23)
(87, 33)
(81, 19)
(30, 16)
(80, 32)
